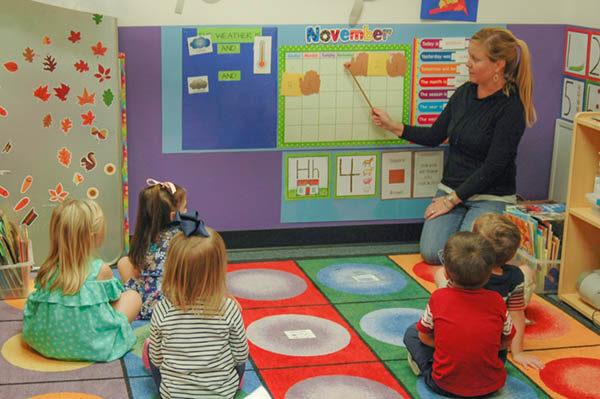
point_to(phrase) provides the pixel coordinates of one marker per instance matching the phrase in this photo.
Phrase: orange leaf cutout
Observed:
(28, 54)
(66, 125)
(42, 93)
(58, 194)
(99, 49)
(11, 66)
(46, 40)
(86, 98)
(64, 157)
(47, 121)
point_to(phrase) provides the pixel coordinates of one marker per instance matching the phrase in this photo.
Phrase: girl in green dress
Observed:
(78, 310)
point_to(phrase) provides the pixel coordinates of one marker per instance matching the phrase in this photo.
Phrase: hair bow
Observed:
(166, 184)
(190, 224)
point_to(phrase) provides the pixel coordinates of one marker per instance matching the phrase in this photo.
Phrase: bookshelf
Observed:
(581, 238)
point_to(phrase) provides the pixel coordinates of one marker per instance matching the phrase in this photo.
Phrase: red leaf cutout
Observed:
(82, 66)
(11, 66)
(42, 93)
(88, 118)
(99, 49)
(75, 37)
(3, 111)
(62, 91)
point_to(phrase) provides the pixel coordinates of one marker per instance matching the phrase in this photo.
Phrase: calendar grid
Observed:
(339, 115)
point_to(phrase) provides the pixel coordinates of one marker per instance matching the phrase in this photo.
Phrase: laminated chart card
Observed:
(320, 104)
(396, 174)
(307, 176)
(429, 167)
(440, 67)
(356, 175)
(576, 52)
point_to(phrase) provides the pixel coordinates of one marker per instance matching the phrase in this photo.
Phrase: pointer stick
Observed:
(361, 89)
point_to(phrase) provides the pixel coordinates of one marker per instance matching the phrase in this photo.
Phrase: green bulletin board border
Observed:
(283, 50)
(287, 156)
(377, 155)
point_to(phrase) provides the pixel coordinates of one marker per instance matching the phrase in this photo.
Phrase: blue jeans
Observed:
(437, 231)
(423, 356)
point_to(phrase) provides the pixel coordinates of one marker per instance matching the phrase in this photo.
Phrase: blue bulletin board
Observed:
(236, 110)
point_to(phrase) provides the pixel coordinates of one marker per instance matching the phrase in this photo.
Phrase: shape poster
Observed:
(356, 175)
(396, 174)
(429, 167)
(440, 67)
(320, 103)
(307, 176)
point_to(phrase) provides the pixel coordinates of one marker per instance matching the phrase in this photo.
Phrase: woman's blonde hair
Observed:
(77, 228)
(195, 273)
(501, 44)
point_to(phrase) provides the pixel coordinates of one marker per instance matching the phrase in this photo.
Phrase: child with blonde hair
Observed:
(142, 270)
(197, 346)
(78, 310)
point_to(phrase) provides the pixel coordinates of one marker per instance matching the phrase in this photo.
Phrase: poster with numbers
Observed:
(572, 98)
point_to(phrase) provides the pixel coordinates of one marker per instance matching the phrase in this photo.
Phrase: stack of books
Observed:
(15, 259)
(541, 227)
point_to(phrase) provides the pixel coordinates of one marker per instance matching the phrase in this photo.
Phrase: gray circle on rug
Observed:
(264, 284)
(342, 387)
(324, 336)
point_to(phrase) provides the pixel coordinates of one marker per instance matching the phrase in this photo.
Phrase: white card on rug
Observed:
(300, 334)
(365, 278)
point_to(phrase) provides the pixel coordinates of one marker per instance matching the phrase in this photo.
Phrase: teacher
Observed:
(483, 122)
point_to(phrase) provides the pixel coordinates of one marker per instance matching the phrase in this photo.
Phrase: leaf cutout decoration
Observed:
(11, 66)
(66, 125)
(28, 54)
(42, 93)
(108, 97)
(49, 63)
(47, 121)
(64, 157)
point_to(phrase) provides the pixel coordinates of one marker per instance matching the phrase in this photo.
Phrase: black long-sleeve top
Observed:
(483, 138)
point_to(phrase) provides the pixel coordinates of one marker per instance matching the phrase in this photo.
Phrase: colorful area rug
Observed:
(319, 328)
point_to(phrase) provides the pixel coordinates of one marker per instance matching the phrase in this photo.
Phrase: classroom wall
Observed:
(235, 12)
(242, 190)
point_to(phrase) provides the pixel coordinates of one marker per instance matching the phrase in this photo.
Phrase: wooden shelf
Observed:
(581, 237)
(574, 300)
(587, 214)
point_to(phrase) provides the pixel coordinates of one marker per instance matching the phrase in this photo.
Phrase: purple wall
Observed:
(242, 190)
(546, 44)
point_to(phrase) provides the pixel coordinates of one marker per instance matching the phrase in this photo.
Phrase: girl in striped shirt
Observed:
(197, 346)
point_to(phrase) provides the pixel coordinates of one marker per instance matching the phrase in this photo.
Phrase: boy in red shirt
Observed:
(456, 342)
